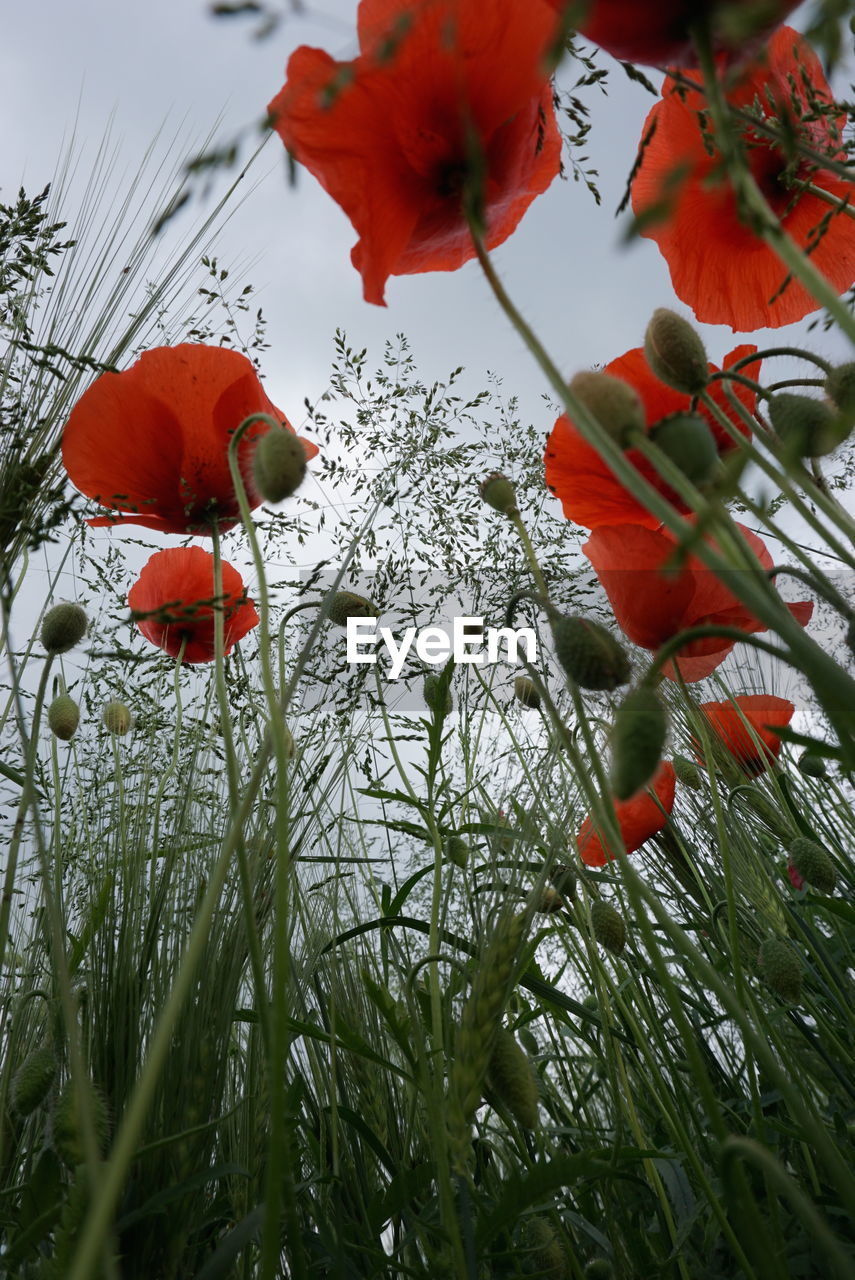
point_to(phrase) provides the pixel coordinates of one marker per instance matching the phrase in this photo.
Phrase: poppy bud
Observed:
(590, 654)
(598, 1269)
(591, 1003)
(512, 1079)
(546, 1256)
(813, 864)
(63, 627)
(609, 926)
(687, 773)
(63, 716)
(432, 693)
(675, 352)
(808, 426)
(278, 464)
(564, 879)
(613, 402)
(840, 389)
(549, 902)
(526, 692)
(811, 764)
(782, 969)
(794, 878)
(498, 492)
(457, 850)
(116, 718)
(32, 1081)
(347, 604)
(638, 739)
(687, 442)
(67, 1135)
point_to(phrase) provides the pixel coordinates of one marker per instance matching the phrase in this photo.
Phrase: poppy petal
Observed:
(638, 819)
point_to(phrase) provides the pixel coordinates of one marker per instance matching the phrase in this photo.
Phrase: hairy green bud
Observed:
(32, 1081)
(809, 427)
(609, 926)
(347, 604)
(525, 691)
(614, 403)
(278, 464)
(116, 718)
(782, 969)
(63, 627)
(687, 442)
(511, 1077)
(813, 864)
(498, 492)
(675, 352)
(63, 717)
(638, 740)
(590, 654)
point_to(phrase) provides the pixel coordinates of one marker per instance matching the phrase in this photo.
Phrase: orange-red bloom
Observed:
(756, 747)
(590, 493)
(652, 605)
(173, 601)
(444, 94)
(719, 266)
(151, 443)
(660, 33)
(638, 818)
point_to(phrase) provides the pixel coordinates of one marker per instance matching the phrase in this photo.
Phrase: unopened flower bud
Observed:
(347, 604)
(63, 627)
(63, 716)
(67, 1125)
(549, 901)
(32, 1081)
(840, 389)
(564, 879)
(511, 1077)
(813, 864)
(278, 464)
(457, 850)
(687, 442)
(432, 693)
(811, 764)
(638, 740)
(525, 691)
(808, 427)
(688, 773)
(598, 1269)
(782, 969)
(614, 403)
(609, 926)
(498, 492)
(675, 352)
(590, 654)
(546, 1257)
(116, 718)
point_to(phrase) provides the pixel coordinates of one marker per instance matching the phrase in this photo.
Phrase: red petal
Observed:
(638, 819)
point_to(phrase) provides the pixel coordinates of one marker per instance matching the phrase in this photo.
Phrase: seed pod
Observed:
(67, 1129)
(675, 352)
(347, 604)
(63, 627)
(782, 969)
(614, 403)
(278, 464)
(813, 864)
(564, 879)
(546, 1257)
(498, 492)
(609, 926)
(811, 764)
(32, 1081)
(431, 690)
(809, 427)
(686, 440)
(638, 740)
(116, 718)
(525, 691)
(511, 1077)
(63, 716)
(590, 654)
(457, 850)
(687, 772)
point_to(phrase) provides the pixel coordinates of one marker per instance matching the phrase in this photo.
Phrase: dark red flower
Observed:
(443, 94)
(795, 879)
(746, 726)
(151, 443)
(173, 601)
(719, 265)
(638, 818)
(660, 33)
(590, 493)
(652, 605)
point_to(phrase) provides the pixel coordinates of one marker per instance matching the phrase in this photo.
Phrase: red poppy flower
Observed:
(638, 819)
(719, 266)
(152, 442)
(590, 493)
(756, 747)
(661, 34)
(173, 600)
(442, 91)
(652, 605)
